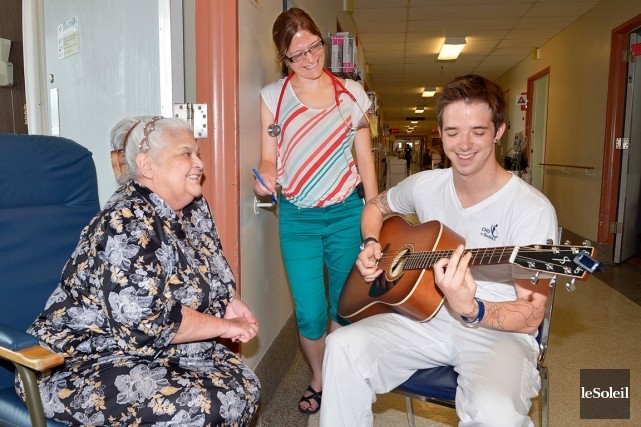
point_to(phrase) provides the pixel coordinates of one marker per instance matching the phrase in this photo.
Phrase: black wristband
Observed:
(367, 240)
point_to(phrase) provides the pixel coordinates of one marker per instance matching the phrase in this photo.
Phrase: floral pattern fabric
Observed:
(117, 309)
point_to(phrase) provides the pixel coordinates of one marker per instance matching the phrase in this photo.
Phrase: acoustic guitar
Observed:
(407, 285)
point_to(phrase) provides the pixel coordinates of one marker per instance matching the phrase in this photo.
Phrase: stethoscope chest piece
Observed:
(273, 130)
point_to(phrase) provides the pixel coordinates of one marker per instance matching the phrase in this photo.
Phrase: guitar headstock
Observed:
(564, 260)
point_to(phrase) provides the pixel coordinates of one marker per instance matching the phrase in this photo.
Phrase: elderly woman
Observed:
(144, 295)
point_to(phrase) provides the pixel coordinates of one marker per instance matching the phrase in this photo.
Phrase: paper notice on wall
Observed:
(68, 38)
(337, 53)
(348, 54)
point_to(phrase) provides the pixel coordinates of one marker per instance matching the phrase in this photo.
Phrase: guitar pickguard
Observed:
(380, 286)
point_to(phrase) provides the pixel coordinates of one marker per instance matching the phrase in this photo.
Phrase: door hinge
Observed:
(626, 56)
(622, 143)
(196, 115)
(616, 227)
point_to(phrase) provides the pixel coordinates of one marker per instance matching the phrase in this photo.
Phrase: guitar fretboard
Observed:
(480, 256)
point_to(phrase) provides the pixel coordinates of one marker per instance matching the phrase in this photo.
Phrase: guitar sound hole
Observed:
(396, 268)
(391, 275)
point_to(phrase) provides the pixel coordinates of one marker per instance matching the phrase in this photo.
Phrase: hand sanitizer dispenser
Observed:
(6, 67)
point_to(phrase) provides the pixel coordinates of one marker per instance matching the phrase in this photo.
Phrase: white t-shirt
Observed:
(517, 214)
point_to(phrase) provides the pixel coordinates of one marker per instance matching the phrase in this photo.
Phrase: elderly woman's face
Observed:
(178, 170)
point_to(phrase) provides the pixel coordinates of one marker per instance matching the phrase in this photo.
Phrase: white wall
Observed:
(579, 60)
(264, 284)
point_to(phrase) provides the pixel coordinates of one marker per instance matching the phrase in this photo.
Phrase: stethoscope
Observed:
(274, 129)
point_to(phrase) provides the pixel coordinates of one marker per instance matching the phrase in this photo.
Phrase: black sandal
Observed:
(316, 396)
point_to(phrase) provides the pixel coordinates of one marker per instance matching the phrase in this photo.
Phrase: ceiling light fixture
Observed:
(419, 110)
(414, 122)
(452, 48)
(429, 92)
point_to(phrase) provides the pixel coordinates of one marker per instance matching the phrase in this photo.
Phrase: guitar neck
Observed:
(480, 256)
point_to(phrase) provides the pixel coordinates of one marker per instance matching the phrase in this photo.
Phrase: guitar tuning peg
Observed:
(535, 279)
(567, 242)
(587, 243)
(570, 286)
(553, 281)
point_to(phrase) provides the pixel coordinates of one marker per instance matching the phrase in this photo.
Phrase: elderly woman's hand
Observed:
(238, 324)
(244, 324)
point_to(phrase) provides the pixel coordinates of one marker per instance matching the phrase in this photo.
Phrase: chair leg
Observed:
(410, 412)
(34, 404)
(544, 396)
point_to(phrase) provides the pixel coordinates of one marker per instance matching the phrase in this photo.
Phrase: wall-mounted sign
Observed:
(522, 100)
(68, 38)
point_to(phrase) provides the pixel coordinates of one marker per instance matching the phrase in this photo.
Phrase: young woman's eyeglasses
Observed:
(313, 49)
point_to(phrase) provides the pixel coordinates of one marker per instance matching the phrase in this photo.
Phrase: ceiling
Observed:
(401, 40)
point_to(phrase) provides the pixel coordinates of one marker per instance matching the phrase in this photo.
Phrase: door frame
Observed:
(528, 116)
(217, 86)
(613, 128)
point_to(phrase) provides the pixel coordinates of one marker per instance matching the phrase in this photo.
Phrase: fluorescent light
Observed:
(419, 110)
(451, 48)
(429, 92)
(414, 122)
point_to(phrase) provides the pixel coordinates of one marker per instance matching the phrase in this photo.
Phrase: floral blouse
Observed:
(119, 305)
(134, 267)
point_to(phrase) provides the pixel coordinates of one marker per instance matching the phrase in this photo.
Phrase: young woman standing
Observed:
(311, 125)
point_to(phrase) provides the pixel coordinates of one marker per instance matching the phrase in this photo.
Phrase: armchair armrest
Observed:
(23, 349)
(26, 354)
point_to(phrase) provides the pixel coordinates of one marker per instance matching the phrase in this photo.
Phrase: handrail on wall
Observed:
(589, 170)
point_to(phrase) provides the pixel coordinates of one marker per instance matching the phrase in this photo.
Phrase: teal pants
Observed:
(311, 240)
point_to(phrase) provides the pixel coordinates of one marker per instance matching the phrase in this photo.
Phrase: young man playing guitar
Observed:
(486, 327)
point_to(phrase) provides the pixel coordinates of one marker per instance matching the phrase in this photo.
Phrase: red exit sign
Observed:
(393, 131)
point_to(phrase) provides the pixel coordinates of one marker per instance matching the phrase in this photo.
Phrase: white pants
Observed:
(497, 370)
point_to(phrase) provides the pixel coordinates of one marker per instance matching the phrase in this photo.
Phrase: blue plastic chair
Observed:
(48, 193)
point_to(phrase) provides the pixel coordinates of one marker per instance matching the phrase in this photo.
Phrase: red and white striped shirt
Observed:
(315, 166)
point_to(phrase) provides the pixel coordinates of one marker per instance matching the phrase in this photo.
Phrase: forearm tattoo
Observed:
(381, 203)
(496, 314)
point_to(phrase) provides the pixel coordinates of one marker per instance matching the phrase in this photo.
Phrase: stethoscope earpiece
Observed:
(273, 130)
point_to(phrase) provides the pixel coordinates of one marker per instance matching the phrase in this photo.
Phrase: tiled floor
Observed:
(625, 278)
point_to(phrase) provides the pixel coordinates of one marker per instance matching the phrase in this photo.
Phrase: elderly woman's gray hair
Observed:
(133, 135)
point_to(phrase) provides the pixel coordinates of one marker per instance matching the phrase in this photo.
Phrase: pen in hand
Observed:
(260, 178)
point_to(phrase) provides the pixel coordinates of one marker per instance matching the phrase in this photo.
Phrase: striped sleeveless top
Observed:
(315, 166)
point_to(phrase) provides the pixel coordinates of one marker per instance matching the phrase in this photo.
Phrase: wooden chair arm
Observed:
(36, 358)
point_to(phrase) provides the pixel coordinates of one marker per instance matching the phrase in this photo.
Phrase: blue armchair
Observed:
(48, 193)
